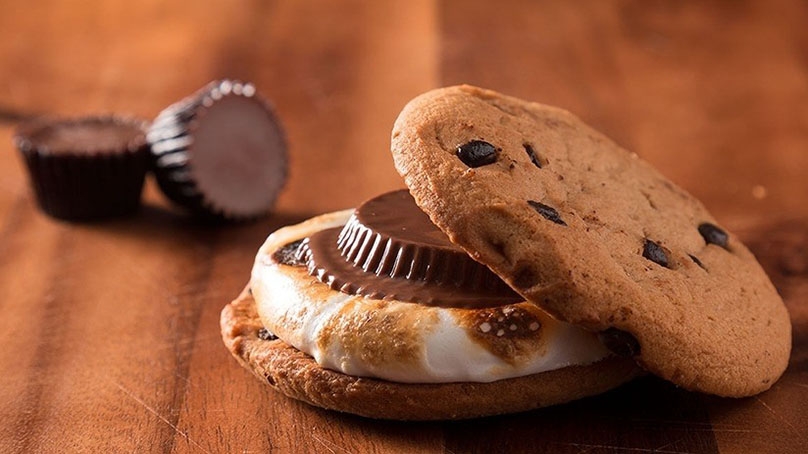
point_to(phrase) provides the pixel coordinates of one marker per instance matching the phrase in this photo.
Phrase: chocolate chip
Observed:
(532, 154)
(713, 235)
(696, 261)
(548, 212)
(290, 254)
(265, 334)
(619, 342)
(477, 153)
(654, 252)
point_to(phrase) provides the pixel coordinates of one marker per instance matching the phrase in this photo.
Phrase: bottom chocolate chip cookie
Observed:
(297, 375)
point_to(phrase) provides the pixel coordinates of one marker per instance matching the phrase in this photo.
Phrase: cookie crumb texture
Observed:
(297, 375)
(634, 253)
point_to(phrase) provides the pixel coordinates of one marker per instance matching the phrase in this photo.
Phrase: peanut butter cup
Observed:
(85, 168)
(389, 249)
(220, 152)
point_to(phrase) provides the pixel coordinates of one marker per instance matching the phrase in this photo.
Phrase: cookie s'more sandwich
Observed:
(530, 262)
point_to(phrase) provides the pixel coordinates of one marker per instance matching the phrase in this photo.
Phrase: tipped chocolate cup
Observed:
(221, 152)
(85, 168)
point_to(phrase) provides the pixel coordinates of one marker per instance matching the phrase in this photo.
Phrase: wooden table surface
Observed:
(109, 331)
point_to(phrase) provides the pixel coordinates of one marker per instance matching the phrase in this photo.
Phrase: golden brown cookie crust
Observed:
(563, 213)
(297, 375)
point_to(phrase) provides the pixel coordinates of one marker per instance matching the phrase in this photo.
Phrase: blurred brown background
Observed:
(109, 331)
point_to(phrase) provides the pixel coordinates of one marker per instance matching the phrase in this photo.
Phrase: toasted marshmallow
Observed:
(402, 341)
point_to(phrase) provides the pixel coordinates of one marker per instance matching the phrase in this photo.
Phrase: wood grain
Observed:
(110, 330)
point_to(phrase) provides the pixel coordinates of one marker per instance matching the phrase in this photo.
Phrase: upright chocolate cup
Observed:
(221, 152)
(85, 168)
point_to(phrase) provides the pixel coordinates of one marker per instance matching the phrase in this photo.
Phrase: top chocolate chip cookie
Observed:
(595, 236)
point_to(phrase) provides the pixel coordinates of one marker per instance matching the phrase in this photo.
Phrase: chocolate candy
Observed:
(619, 342)
(389, 249)
(713, 235)
(654, 252)
(221, 152)
(85, 168)
(290, 254)
(265, 334)
(477, 153)
(532, 155)
(548, 212)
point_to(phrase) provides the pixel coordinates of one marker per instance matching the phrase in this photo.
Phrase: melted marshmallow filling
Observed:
(407, 342)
